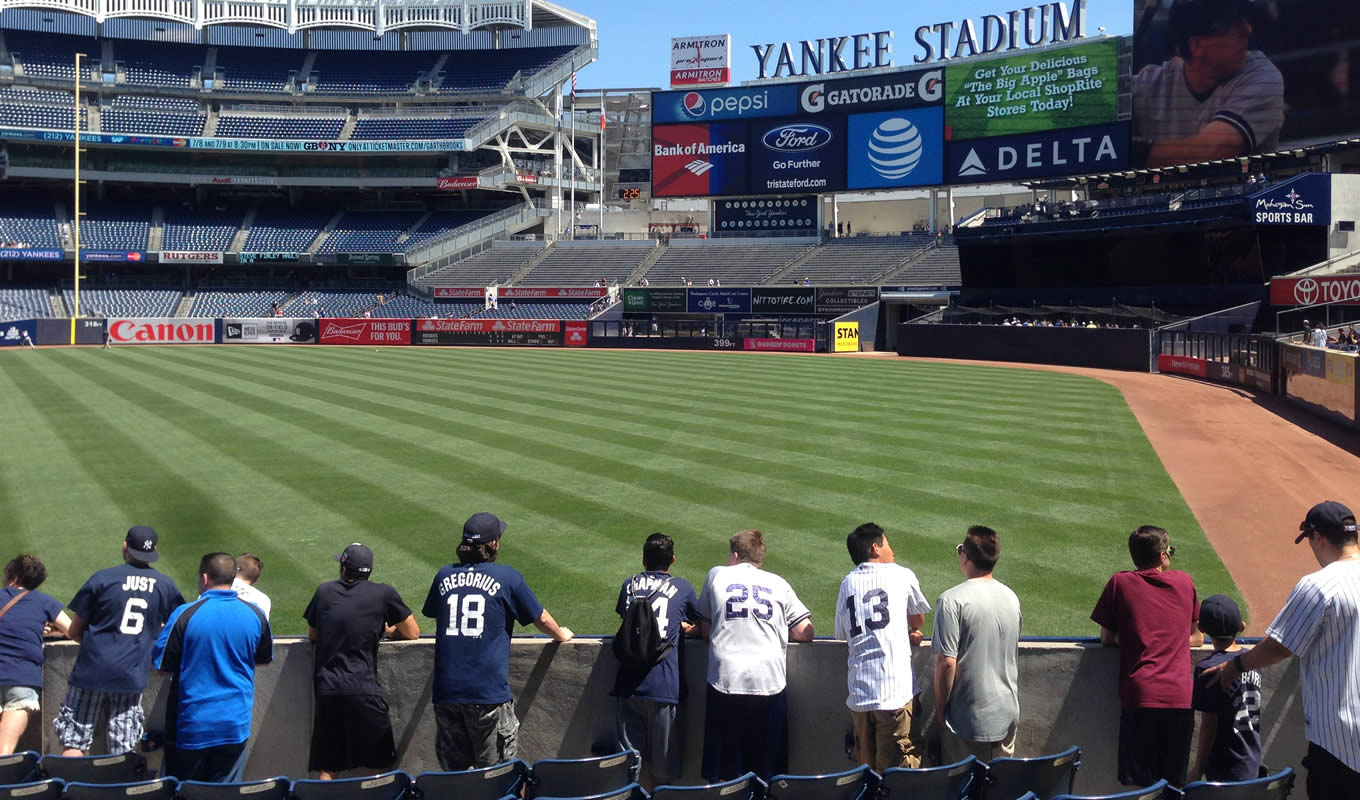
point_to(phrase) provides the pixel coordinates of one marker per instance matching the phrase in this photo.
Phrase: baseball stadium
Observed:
(287, 278)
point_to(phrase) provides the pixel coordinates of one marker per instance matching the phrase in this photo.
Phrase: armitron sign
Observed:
(162, 331)
(701, 61)
(1343, 289)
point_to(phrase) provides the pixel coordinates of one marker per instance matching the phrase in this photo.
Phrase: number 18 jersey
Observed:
(123, 608)
(871, 616)
(750, 611)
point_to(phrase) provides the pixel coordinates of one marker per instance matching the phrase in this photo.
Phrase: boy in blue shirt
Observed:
(1229, 747)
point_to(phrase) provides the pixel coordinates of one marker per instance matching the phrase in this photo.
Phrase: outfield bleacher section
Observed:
(517, 310)
(495, 265)
(24, 304)
(938, 267)
(862, 258)
(203, 231)
(439, 222)
(369, 232)
(237, 125)
(27, 224)
(285, 230)
(741, 262)
(124, 302)
(169, 115)
(331, 302)
(115, 226)
(407, 307)
(585, 263)
(412, 127)
(236, 302)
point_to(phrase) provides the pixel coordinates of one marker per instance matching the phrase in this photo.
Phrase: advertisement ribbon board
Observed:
(364, 331)
(166, 330)
(269, 330)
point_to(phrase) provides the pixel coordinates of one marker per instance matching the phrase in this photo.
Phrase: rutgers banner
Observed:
(364, 331)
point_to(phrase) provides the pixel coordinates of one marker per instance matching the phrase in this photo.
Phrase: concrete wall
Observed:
(1345, 207)
(1068, 696)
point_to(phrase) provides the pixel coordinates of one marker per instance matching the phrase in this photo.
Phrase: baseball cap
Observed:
(482, 528)
(1207, 17)
(357, 557)
(1327, 517)
(1219, 617)
(141, 542)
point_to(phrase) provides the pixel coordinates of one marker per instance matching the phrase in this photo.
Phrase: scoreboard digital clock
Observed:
(630, 194)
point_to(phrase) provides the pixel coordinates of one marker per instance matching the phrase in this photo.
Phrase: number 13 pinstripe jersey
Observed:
(871, 615)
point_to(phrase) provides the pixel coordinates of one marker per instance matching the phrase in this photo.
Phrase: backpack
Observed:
(639, 642)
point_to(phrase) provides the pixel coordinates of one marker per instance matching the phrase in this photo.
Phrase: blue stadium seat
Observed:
(963, 780)
(271, 789)
(1271, 787)
(747, 787)
(21, 766)
(1046, 776)
(50, 789)
(285, 230)
(1160, 790)
(125, 302)
(859, 783)
(488, 783)
(630, 792)
(127, 767)
(161, 789)
(393, 785)
(240, 126)
(578, 777)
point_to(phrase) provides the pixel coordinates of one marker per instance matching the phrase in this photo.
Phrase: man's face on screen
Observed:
(1223, 49)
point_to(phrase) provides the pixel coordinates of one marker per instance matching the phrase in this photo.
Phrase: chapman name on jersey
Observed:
(639, 586)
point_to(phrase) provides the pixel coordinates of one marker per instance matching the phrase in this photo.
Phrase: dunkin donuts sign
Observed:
(1343, 289)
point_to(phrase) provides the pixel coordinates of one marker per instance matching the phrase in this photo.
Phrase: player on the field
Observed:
(476, 604)
(879, 613)
(116, 617)
(749, 616)
(648, 698)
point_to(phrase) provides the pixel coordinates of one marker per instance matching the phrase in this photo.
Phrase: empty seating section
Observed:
(491, 70)
(571, 264)
(859, 259)
(263, 127)
(496, 265)
(159, 64)
(519, 310)
(50, 117)
(407, 307)
(26, 223)
(257, 69)
(939, 267)
(378, 72)
(332, 303)
(24, 94)
(369, 232)
(24, 303)
(734, 262)
(50, 56)
(108, 226)
(285, 230)
(204, 231)
(437, 223)
(413, 127)
(236, 303)
(139, 120)
(124, 302)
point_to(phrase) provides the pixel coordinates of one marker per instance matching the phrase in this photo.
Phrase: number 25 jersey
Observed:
(124, 608)
(750, 611)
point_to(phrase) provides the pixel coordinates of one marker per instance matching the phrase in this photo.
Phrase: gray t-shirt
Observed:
(1252, 101)
(978, 623)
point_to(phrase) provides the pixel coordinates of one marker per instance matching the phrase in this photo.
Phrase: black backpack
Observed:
(639, 642)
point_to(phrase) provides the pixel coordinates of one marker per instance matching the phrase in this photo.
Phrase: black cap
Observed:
(356, 557)
(141, 543)
(1329, 517)
(1219, 617)
(482, 528)
(1202, 17)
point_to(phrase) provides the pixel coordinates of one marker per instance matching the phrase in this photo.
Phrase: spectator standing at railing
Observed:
(1319, 336)
(27, 614)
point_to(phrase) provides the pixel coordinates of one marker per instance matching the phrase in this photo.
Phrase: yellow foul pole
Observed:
(75, 227)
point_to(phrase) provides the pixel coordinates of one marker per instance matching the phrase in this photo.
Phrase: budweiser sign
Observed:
(527, 293)
(1343, 289)
(189, 257)
(489, 325)
(162, 331)
(365, 331)
(457, 183)
(448, 292)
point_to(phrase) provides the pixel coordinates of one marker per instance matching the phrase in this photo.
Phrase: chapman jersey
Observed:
(871, 616)
(1252, 101)
(123, 608)
(750, 611)
(675, 603)
(475, 607)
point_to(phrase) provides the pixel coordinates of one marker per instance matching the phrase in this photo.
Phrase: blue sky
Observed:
(635, 35)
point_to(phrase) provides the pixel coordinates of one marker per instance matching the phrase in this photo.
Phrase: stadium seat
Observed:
(747, 787)
(393, 785)
(630, 792)
(124, 768)
(579, 777)
(963, 780)
(1271, 787)
(50, 789)
(161, 789)
(272, 789)
(1046, 776)
(488, 783)
(18, 767)
(1160, 790)
(859, 783)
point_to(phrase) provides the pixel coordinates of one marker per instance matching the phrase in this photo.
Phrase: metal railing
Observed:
(460, 242)
(1257, 352)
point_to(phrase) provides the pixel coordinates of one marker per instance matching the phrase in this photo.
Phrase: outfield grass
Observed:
(295, 452)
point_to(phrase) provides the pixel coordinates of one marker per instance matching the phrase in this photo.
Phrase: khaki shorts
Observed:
(19, 698)
(886, 739)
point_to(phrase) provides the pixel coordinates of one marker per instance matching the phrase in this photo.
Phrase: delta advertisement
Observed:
(270, 330)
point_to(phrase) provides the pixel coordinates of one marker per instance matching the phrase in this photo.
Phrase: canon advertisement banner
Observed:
(1039, 155)
(461, 293)
(12, 333)
(364, 331)
(489, 332)
(793, 300)
(701, 60)
(189, 257)
(798, 214)
(270, 330)
(533, 292)
(893, 149)
(1343, 289)
(698, 160)
(798, 156)
(152, 330)
(1305, 200)
(780, 345)
(718, 301)
(920, 87)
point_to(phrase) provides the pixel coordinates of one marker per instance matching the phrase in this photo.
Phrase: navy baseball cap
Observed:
(1208, 17)
(357, 557)
(1329, 517)
(141, 543)
(482, 528)
(1219, 617)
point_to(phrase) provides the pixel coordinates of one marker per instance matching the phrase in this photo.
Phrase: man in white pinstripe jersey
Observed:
(879, 613)
(1320, 623)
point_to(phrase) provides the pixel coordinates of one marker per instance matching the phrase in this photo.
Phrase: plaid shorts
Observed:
(82, 710)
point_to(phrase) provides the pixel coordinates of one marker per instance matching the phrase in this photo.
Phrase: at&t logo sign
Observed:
(895, 148)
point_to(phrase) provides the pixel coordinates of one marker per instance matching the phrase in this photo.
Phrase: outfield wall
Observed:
(1108, 348)
(1068, 696)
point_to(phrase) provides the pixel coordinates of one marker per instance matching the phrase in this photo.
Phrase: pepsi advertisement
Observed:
(895, 149)
(796, 156)
(715, 105)
(699, 160)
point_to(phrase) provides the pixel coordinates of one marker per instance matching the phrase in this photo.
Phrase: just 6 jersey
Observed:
(475, 607)
(750, 612)
(871, 616)
(123, 609)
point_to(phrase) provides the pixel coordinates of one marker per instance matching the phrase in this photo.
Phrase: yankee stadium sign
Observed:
(1033, 26)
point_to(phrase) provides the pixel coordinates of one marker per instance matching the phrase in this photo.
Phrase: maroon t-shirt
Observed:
(1153, 612)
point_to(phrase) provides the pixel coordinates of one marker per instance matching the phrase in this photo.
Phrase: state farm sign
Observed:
(520, 292)
(476, 293)
(490, 325)
(1343, 289)
(162, 331)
